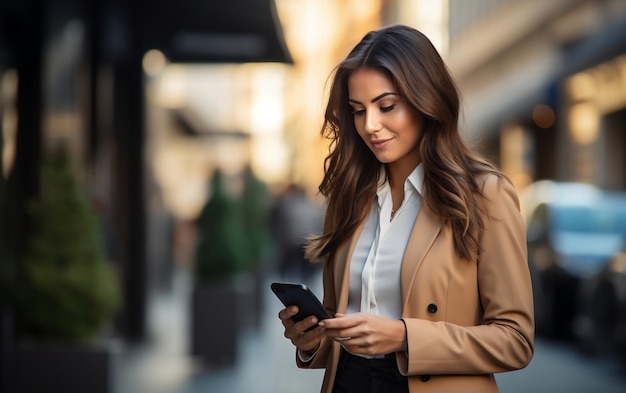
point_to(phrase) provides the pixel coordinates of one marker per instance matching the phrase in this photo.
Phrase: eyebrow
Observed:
(373, 100)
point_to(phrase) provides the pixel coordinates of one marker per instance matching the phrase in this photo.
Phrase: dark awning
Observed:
(605, 44)
(217, 31)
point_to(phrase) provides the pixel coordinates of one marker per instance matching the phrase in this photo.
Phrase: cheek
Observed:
(413, 127)
(418, 122)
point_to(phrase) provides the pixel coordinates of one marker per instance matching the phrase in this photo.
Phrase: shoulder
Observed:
(498, 195)
(497, 188)
(494, 183)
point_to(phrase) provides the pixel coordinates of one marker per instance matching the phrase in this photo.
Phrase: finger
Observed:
(286, 313)
(306, 324)
(339, 323)
(341, 335)
(299, 328)
(309, 339)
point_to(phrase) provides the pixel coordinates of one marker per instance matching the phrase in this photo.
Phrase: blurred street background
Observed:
(159, 165)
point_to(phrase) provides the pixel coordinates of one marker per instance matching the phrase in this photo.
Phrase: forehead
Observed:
(367, 83)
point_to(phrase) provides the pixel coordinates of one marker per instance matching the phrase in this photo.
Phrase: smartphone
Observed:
(301, 296)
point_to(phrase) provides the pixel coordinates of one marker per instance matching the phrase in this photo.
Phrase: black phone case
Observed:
(301, 296)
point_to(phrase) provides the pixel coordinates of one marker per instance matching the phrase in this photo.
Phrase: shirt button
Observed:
(432, 308)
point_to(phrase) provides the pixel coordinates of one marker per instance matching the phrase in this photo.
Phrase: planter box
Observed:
(221, 311)
(214, 322)
(252, 291)
(62, 368)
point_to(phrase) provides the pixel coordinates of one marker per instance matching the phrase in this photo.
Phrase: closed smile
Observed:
(380, 143)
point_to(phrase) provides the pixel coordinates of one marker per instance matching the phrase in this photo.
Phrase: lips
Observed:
(380, 142)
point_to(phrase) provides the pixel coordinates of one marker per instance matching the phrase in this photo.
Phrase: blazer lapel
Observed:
(424, 232)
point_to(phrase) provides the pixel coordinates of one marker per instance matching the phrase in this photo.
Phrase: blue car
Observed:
(573, 231)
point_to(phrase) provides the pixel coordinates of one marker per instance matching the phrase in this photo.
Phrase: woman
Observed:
(423, 245)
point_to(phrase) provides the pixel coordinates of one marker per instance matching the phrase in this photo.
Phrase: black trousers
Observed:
(359, 375)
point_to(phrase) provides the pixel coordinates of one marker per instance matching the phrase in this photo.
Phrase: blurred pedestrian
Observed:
(294, 218)
(423, 247)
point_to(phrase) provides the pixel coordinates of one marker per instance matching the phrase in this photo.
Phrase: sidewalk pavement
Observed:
(266, 361)
(162, 364)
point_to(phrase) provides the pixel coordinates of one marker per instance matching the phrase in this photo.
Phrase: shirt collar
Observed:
(416, 178)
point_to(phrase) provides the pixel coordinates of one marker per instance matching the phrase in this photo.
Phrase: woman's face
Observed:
(384, 119)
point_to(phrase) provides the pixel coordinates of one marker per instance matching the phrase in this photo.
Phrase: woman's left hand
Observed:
(367, 334)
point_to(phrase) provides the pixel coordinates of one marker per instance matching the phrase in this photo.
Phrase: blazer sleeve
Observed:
(502, 338)
(330, 303)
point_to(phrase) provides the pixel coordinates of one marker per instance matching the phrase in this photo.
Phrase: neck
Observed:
(398, 173)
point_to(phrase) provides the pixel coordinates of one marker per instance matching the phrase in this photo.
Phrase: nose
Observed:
(372, 122)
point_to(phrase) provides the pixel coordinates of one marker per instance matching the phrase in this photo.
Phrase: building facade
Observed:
(543, 86)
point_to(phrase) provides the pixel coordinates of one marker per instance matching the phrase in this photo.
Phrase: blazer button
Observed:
(425, 378)
(432, 308)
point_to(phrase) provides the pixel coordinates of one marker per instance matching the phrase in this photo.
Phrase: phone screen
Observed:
(301, 296)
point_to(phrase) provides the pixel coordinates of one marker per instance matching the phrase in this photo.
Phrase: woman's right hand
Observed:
(296, 331)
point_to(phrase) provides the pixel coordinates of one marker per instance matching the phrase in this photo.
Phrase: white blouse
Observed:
(377, 258)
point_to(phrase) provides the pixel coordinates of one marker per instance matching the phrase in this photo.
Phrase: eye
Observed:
(357, 112)
(386, 108)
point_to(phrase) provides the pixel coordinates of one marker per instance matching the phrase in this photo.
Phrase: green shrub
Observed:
(221, 249)
(255, 206)
(66, 290)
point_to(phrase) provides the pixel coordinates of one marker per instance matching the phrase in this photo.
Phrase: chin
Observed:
(384, 159)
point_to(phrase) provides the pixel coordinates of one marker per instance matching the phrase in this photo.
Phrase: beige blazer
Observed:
(465, 319)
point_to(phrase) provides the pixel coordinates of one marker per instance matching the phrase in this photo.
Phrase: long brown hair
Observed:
(451, 170)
